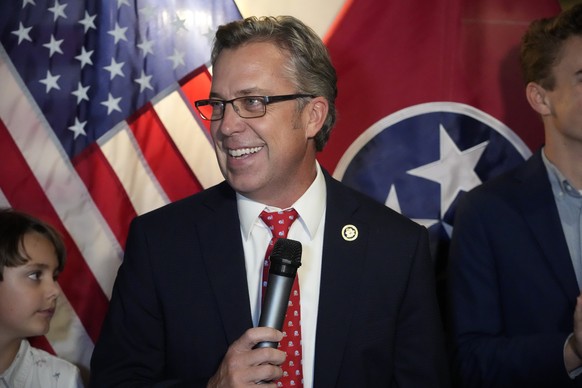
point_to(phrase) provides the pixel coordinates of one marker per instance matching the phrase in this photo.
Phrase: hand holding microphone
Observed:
(285, 259)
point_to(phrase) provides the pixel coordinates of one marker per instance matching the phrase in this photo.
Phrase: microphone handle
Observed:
(275, 305)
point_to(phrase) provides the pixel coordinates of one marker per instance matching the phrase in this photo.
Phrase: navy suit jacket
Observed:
(512, 284)
(180, 298)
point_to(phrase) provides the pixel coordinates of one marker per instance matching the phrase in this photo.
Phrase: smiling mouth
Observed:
(240, 152)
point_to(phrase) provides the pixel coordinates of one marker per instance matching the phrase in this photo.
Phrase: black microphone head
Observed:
(285, 257)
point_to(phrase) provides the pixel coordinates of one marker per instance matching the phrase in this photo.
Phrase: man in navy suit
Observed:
(187, 299)
(515, 259)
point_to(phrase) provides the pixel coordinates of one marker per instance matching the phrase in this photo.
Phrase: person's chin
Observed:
(41, 326)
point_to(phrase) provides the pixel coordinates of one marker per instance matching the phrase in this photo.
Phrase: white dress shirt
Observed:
(308, 230)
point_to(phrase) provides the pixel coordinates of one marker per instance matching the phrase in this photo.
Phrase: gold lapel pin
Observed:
(349, 232)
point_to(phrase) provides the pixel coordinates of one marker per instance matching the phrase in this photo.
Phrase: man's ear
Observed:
(537, 97)
(318, 108)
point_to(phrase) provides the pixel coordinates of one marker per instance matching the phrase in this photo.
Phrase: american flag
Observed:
(97, 126)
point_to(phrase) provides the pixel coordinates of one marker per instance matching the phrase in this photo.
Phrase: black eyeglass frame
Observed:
(266, 101)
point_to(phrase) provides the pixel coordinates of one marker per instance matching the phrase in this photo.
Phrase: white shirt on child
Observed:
(35, 368)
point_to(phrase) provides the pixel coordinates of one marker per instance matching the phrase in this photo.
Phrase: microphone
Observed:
(285, 259)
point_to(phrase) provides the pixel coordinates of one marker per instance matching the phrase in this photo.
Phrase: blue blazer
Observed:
(180, 298)
(512, 284)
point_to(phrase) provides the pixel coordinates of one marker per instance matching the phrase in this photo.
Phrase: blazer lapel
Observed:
(341, 268)
(223, 254)
(538, 206)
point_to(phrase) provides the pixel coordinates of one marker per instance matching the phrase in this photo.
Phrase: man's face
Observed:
(565, 100)
(270, 159)
(28, 293)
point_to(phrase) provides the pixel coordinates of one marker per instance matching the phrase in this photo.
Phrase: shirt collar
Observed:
(310, 207)
(558, 181)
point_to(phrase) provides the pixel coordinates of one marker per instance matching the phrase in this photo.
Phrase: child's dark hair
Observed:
(13, 226)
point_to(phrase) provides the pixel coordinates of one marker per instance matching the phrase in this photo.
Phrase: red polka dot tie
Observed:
(279, 223)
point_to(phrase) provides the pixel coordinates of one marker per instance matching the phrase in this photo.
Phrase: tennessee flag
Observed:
(431, 103)
(97, 123)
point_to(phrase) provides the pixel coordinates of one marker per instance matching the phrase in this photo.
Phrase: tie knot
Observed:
(279, 222)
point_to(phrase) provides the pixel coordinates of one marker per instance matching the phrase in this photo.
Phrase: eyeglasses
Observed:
(247, 107)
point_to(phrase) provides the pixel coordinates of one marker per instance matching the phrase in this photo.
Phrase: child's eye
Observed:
(36, 275)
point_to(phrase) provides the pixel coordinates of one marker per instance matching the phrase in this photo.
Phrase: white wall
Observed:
(318, 14)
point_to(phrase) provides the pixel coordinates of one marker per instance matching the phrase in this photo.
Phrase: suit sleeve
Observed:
(420, 359)
(484, 245)
(130, 351)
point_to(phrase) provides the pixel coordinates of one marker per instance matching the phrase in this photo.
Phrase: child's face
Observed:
(28, 293)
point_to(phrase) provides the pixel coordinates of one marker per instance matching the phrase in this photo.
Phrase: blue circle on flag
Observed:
(420, 160)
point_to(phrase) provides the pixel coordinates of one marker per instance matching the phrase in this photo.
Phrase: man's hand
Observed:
(243, 366)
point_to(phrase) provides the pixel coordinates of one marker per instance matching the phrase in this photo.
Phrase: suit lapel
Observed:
(538, 207)
(341, 268)
(223, 254)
